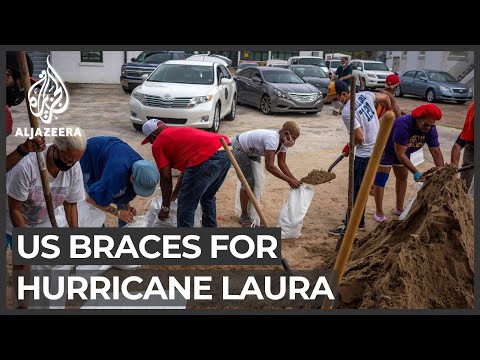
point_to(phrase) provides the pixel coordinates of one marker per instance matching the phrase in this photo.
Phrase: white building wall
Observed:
(435, 60)
(71, 69)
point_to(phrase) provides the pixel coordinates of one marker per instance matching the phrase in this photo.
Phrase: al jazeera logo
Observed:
(47, 98)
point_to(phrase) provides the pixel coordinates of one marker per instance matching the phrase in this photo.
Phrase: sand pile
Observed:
(425, 261)
(316, 177)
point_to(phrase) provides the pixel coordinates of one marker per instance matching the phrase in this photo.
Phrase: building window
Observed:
(284, 55)
(91, 56)
(458, 54)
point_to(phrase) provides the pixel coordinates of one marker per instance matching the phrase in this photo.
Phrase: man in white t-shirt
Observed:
(253, 144)
(365, 132)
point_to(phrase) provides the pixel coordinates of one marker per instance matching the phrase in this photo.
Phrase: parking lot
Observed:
(104, 110)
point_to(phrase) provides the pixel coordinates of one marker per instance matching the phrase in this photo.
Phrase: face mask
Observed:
(289, 143)
(14, 95)
(338, 105)
(60, 164)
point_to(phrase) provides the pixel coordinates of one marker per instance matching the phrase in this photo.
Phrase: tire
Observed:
(233, 112)
(127, 90)
(363, 85)
(216, 119)
(398, 91)
(138, 126)
(461, 102)
(430, 95)
(265, 105)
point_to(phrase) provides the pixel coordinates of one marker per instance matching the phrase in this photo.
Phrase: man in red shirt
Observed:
(204, 164)
(465, 140)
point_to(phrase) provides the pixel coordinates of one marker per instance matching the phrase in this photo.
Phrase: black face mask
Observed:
(14, 94)
(60, 164)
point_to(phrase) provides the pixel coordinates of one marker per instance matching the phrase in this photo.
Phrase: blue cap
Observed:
(145, 177)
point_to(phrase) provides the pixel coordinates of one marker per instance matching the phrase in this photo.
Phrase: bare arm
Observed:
(400, 152)
(71, 213)
(272, 169)
(358, 136)
(346, 77)
(393, 101)
(383, 100)
(16, 212)
(178, 185)
(124, 215)
(166, 186)
(282, 164)
(455, 156)
(437, 156)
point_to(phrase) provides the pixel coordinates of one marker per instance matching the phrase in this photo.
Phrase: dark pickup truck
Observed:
(145, 63)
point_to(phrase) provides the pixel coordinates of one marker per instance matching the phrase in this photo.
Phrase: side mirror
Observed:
(257, 79)
(359, 68)
(423, 78)
(226, 81)
(144, 77)
(133, 59)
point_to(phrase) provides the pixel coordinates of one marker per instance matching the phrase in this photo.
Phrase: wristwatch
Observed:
(165, 208)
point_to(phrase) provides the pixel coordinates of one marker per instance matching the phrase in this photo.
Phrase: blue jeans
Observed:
(359, 168)
(200, 184)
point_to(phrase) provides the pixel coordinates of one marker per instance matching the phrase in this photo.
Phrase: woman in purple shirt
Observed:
(409, 133)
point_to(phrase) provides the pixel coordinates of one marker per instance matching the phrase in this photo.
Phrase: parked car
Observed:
(371, 74)
(308, 60)
(145, 63)
(433, 85)
(275, 89)
(332, 66)
(245, 64)
(313, 75)
(185, 93)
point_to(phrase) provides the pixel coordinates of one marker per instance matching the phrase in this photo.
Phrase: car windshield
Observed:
(441, 76)
(312, 61)
(183, 74)
(244, 65)
(154, 57)
(304, 71)
(376, 66)
(282, 77)
(335, 64)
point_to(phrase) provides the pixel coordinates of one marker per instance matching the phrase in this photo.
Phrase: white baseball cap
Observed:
(149, 127)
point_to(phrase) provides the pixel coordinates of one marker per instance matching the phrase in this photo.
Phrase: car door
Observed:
(420, 83)
(406, 82)
(242, 79)
(256, 88)
(228, 90)
(221, 89)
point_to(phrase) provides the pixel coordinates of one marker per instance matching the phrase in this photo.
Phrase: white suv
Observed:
(185, 93)
(370, 74)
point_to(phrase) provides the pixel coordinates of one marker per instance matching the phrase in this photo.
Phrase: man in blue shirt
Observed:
(115, 173)
(344, 72)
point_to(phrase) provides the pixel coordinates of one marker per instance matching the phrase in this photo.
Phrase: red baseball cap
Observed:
(428, 111)
(392, 80)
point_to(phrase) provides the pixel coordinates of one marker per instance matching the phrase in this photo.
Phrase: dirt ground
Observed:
(104, 110)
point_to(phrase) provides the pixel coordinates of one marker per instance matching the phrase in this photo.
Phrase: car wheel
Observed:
(127, 90)
(231, 115)
(216, 119)
(265, 105)
(363, 85)
(430, 95)
(398, 91)
(138, 126)
(461, 102)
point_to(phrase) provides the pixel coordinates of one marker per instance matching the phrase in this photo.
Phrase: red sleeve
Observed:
(8, 118)
(159, 155)
(467, 131)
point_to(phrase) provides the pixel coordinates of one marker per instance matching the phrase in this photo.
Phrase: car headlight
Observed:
(124, 71)
(280, 94)
(139, 96)
(199, 100)
(444, 88)
(372, 75)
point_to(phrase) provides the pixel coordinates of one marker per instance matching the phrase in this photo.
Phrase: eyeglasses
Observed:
(426, 125)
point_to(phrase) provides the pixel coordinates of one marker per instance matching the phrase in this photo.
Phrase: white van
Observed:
(308, 60)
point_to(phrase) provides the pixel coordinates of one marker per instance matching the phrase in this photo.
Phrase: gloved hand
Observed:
(346, 150)
(417, 176)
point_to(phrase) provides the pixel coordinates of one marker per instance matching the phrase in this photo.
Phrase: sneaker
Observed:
(338, 231)
(361, 227)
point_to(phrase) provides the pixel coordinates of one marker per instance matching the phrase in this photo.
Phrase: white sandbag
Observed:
(416, 158)
(152, 220)
(171, 221)
(59, 217)
(471, 190)
(138, 221)
(410, 201)
(259, 177)
(294, 210)
(88, 216)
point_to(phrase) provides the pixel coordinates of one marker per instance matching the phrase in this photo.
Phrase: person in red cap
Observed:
(409, 134)
(15, 96)
(204, 164)
(391, 83)
(465, 140)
